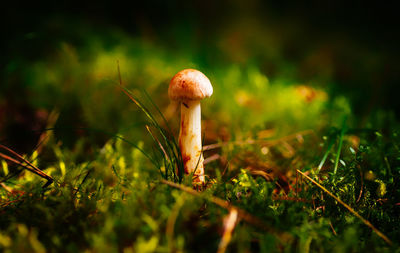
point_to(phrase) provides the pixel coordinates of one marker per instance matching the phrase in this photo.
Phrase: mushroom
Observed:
(189, 86)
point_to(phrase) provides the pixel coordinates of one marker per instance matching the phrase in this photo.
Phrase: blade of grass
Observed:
(169, 231)
(82, 182)
(167, 136)
(166, 157)
(45, 136)
(342, 131)
(158, 110)
(174, 149)
(366, 222)
(157, 141)
(198, 160)
(330, 145)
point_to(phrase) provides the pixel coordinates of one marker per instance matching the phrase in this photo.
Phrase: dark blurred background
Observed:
(358, 41)
(349, 49)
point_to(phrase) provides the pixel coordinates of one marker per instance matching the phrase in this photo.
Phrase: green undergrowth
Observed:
(116, 202)
(104, 153)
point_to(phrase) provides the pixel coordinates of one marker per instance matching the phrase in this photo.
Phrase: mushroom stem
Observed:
(190, 139)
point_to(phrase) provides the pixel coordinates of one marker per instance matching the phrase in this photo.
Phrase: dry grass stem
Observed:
(24, 163)
(262, 142)
(229, 225)
(366, 222)
(211, 158)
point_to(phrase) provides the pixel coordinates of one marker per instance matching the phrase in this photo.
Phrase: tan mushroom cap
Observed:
(189, 84)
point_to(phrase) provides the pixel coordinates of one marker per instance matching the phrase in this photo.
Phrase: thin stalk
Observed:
(154, 122)
(325, 155)
(25, 163)
(366, 222)
(340, 145)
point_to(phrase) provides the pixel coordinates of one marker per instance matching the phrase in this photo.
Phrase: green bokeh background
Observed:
(64, 56)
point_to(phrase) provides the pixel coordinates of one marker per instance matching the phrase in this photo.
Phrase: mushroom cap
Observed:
(189, 84)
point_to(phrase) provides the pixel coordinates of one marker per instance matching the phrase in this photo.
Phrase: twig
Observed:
(361, 187)
(295, 199)
(333, 229)
(257, 141)
(7, 203)
(29, 166)
(229, 225)
(211, 158)
(366, 222)
(5, 187)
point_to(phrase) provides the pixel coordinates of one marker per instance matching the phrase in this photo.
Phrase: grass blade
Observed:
(342, 131)
(173, 148)
(330, 145)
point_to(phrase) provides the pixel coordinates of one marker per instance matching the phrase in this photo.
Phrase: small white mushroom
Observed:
(189, 86)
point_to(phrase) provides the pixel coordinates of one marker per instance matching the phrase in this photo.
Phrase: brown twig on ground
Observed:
(230, 222)
(24, 163)
(263, 142)
(5, 187)
(366, 222)
(211, 158)
(361, 187)
(7, 203)
(286, 198)
(333, 229)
